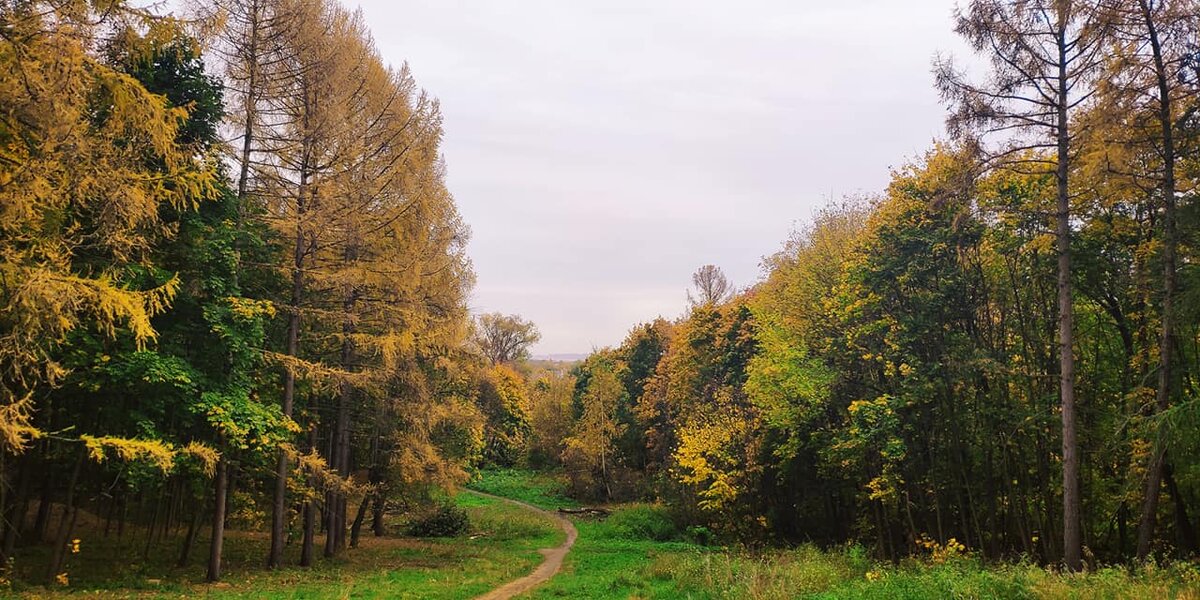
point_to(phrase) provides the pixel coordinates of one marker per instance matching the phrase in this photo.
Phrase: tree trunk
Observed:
(66, 523)
(189, 540)
(328, 518)
(377, 511)
(335, 540)
(310, 512)
(279, 503)
(42, 521)
(359, 517)
(310, 534)
(1072, 528)
(109, 514)
(218, 521)
(251, 105)
(1163, 392)
(169, 518)
(124, 514)
(153, 525)
(15, 511)
(1183, 525)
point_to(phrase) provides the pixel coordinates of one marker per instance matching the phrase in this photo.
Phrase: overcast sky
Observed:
(601, 151)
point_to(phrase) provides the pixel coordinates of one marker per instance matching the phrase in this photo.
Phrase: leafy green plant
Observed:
(643, 522)
(445, 521)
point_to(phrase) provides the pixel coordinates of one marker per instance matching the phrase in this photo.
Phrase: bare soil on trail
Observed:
(549, 566)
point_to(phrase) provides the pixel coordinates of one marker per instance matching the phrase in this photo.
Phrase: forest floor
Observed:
(636, 552)
(502, 546)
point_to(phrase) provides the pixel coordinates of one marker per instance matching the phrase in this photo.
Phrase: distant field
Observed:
(560, 358)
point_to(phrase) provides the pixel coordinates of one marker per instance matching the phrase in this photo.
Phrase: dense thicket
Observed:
(227, 293)
(905, 372)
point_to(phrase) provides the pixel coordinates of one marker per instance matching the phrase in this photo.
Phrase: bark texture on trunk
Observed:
(1072, 530)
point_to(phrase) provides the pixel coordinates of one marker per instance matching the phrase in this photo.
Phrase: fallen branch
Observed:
(589, 511)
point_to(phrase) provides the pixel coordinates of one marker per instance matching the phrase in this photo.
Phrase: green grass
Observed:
(636, 552)
(502, 546)
(543, 490)
(610, 560)
(822, 575)
(606, 565)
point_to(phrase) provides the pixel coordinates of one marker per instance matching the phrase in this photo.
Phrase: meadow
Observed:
(501, 545)
(637, 551)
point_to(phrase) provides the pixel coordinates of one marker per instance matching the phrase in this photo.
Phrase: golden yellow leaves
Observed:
(205, 455)
(709, 457)
(89, 159)
(884, 487)
(16, 425)
(316, 476)
(162, 455)
(249, 309)
(940, 553)
(43, 307)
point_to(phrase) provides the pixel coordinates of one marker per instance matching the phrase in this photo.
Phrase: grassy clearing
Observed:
(810, 573)
(503, 546)
(638, 552)
(608, 563)
(611, 557)
(543, 490)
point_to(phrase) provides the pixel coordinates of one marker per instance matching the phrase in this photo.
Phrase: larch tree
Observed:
(314, 83)
(397, 269)
(1043, 57)
(79, 196)
(341, 153)
(1145, 110)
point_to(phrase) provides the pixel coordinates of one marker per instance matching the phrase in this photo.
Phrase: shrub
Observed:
(643, 522)
(446, 521)
(699, 534)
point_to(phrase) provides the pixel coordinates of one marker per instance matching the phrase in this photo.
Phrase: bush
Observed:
(643, 522)
(446, 521)
(699, 534)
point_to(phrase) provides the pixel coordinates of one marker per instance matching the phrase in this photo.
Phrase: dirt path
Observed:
(549, 566)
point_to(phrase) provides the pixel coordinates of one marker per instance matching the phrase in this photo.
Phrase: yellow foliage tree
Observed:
(590, 449)
(88, 158)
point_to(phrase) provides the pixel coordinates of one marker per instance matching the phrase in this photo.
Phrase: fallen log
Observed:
(588, 511)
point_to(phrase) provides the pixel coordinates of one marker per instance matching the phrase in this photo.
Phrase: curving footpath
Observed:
(549, 566)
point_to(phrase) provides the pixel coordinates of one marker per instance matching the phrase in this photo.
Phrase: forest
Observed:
(235, 305)
(999, 350)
